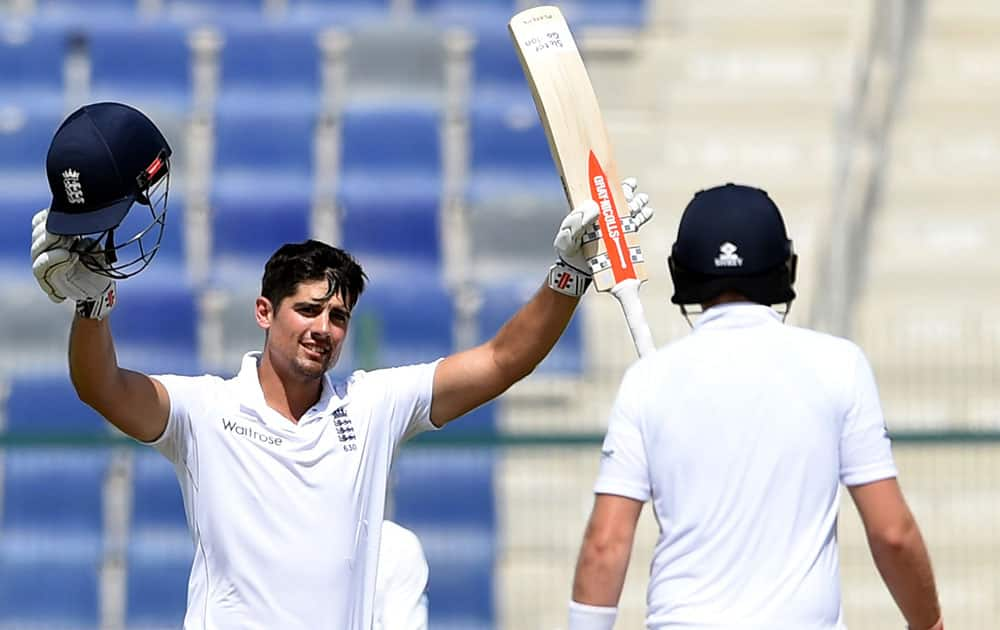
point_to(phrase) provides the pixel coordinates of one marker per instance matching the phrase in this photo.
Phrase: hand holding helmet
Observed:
(103, 159)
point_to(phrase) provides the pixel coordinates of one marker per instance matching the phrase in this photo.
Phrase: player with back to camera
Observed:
(283, 469)
(741, 434)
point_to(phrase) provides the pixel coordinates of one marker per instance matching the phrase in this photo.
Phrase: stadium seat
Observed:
(94, 13)
(214, 12)
(51, 538)
(31, 67)
(396, 62)
(513, 194)
(262, 189)
(404, 317)
(509, 157)
(482, 13)
(25, 134)
(160, 548)
(145, 65)
(391, 151)
(245, 232)
(392, 229)
(155, 325)
(444, 486)
(157, 504)
(263, 154)
(350, 13)
(17, 207)
(502, 298)
(601, 13)
(156, 593)
(52, 505)
(254, 77)
(389, 190)
(48, 404)
(56, 595)
(446, 496)
(497, 78)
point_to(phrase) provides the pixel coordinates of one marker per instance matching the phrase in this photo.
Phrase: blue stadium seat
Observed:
(446, 496)
(25, 134)
(254, 77)
(52, 505)
(392, 229)
(502, 298)
(58, 595)
(404, 316)
(245, 232)
(156, 593)
(340, 12)
(51, 538)
(263, 154)
(497, 78)
(31, 67)
(214, 12)
(391, 150)
(601, 13)
(482, 13)
(509, 157)
(157, 503)
(263, 188)
(47, 403)
(155, 325)
(17, 207)
(444, 486)
(460, 587)
(145, 65)
(94, 13)
(160, 549)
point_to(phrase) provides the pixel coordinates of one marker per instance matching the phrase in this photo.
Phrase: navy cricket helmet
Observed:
(104, 159)
(732, 238)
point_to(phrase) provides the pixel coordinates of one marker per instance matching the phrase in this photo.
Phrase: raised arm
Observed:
(133, 402)
(467, 379)
(899, 552)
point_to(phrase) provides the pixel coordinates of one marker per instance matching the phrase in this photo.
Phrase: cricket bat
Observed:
(581, 150)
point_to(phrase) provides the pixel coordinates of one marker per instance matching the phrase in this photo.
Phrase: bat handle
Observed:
(627, 294)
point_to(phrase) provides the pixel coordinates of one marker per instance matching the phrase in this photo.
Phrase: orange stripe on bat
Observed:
(611, 226)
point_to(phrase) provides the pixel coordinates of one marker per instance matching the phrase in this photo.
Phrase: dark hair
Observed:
(295, 263)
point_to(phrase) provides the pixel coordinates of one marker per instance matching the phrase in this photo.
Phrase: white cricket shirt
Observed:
(740, 434)
(286, 518)
(401, 585)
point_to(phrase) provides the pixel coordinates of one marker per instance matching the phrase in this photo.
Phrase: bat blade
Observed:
(578, 139)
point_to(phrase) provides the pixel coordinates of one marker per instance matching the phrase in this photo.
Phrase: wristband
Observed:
(98, 307)
(567, 280)
(586, 617)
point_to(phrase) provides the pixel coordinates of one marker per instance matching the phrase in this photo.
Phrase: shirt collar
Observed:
(252, 395)
(736, 315)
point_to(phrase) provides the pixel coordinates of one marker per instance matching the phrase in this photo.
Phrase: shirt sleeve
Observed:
(184, 395)
(406, 394)
(624, 471)
(865, 449)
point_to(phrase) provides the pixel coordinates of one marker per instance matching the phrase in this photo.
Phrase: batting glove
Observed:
(61, 274)
(571, 274)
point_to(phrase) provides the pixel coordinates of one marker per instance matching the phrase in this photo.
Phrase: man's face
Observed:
(306, 333)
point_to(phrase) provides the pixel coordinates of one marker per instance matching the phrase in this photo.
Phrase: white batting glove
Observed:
(638, 203)
(61, 275)
(571, 275)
